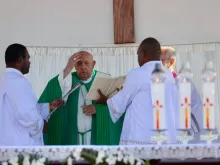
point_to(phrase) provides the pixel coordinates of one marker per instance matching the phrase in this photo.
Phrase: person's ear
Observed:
(20, 60)
(172, 61)
(94, 62)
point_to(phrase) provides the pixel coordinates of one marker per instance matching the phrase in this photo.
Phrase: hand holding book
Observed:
(107, 85)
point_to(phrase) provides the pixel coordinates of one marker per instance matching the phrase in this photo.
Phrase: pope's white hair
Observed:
(84, 50)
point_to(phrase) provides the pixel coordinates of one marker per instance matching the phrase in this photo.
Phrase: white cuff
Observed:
(65, 84)
(115, 115)
(36, 131)
(44, 109)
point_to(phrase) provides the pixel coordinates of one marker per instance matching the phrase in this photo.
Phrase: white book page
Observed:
(102, 82)
(117, 83)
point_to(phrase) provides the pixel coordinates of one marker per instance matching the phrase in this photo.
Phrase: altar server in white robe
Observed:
(135, 98)
(168, 58)
(21, 117)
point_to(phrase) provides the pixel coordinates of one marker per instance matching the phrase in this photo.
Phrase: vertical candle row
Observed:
(158, 98)
(208, 92)
(184, 84)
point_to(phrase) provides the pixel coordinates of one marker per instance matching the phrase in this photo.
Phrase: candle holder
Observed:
(158, 101)
(208, 91)
(209, 137)
(159, 138)
(184, 86)
(185, 137)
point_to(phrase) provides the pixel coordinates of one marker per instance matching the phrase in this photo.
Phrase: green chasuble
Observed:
(62, 126)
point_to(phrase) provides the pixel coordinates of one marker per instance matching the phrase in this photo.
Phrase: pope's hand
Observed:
(56, 104)
(72, 61)
(89, 110)
(102, 98)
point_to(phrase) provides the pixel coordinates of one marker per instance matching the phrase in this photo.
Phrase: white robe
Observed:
(84, 122)
(135, 99)
(21, 117)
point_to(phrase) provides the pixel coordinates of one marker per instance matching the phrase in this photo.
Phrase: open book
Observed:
(107, 84)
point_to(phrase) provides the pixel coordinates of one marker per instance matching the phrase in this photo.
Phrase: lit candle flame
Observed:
(157, 80)
(208, 78)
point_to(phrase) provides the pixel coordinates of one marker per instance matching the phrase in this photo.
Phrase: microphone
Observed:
(64, 97)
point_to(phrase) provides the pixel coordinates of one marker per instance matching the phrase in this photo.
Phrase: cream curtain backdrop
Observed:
(47, 62)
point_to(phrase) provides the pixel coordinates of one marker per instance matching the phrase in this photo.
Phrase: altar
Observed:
(168, 154)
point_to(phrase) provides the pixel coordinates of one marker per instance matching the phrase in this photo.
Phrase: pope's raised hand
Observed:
(56, 104)
(71, 63)
(73, 60)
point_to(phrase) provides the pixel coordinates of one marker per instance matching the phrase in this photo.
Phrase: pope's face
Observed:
(166, 62)
(85, 66)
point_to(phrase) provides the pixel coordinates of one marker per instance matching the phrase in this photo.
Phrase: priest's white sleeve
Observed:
(44, 109)
(118, 104)
(25, 107)
(65, 83)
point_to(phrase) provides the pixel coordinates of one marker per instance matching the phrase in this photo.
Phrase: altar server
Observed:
(21, 117)
(135, 98)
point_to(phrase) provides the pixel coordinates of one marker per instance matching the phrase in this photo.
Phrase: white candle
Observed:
(158, 101)
(208, 105)
(185, 105)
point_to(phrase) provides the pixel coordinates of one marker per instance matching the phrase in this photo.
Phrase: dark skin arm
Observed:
(53, 105)
(102, 99)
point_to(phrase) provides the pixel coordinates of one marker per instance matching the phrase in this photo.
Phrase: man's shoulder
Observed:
(15, 78)
(13, 83)
(134, 75)
(134, 71)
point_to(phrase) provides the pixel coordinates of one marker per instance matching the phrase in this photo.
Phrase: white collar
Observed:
(88, 80)
(151, 62)
(14, 70)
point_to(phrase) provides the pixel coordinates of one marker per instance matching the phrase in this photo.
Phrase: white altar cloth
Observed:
(177, 151)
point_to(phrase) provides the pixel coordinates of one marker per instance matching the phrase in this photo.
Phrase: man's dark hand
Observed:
(102, 99)
(118, 89)
(56, 104)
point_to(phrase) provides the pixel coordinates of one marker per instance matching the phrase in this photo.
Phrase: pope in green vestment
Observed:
(63, 124)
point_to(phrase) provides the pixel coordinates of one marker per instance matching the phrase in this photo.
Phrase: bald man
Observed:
(81, 121)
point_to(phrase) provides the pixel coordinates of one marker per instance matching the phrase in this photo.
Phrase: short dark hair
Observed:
(14, 52)
(152, 46)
